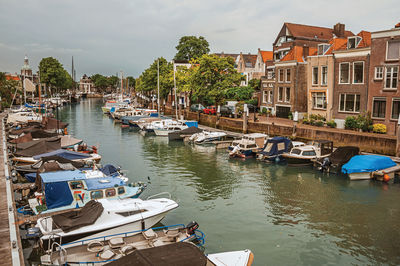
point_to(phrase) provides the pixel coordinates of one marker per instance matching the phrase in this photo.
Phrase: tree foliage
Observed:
(131, 81)
(53, 74)
(211, 77)
(7, 89)
(191, 47)
(239, 93)
(147, 82)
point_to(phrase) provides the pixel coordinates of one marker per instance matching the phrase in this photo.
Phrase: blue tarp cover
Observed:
(192, 123)
(367, 163)
(274, 149)
(59, 176)
(31, 177)
(70, 155)
(94, 183)
(109, 169)
(57, 195)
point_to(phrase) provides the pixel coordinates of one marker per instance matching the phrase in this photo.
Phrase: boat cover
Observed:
(176, 135)
(70, 155)
(50, 166)
(61, 176)
(68, 141)
(52, 123)
(25, 138)
(73, 220)
(176, 254)
(276, 146)
(102, 183)
(36, 147)
(57, 194)
(367, 163)
(342, 155)
(109, 169)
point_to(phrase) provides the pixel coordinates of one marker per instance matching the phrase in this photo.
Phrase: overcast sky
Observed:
(109, 36)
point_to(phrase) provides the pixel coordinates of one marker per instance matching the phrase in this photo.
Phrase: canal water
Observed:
(285, 215)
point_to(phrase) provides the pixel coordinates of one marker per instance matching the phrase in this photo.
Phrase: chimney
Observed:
(339, 30)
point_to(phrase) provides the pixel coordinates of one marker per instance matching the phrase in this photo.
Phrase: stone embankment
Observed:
(367, 142)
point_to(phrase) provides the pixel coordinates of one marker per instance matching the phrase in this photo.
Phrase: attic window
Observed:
(353, 42)
(322, 48)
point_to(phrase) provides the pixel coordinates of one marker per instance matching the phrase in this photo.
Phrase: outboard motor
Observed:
(191, 227)
(326, 163)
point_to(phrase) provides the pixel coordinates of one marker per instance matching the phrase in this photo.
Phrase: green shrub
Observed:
(350, 123)
(379, 128)
(319, 123)
(364, 121)
(331, 124)
(306, 121)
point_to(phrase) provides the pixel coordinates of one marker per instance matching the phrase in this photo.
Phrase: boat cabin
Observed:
(71, 189)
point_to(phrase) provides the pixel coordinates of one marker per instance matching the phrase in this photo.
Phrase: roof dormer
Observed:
(353, 42)
(322, 48)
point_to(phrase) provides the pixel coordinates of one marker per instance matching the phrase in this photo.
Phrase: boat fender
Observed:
(191, 227)
(386, 178)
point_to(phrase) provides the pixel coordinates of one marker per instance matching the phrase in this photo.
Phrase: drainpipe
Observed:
(333, 87)
(295, 86)
(367, 83)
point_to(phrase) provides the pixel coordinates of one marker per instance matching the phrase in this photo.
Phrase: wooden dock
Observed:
(10, 245)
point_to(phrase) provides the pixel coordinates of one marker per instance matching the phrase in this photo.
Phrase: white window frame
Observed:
(340, 73)
(286, 75)
(270, 96)
(387, 50)
(376, 73)
(281, 95)
(322, 77)
(313, 103)
(357, 40)
(313, 81)
(265, 93)
(286, 95)
(279, 75)
(372, 113)
(362, 72)
(391, 111)
(391, 78)
(344, 102)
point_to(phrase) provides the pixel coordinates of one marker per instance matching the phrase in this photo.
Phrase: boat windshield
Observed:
(309, 153)
(296, 151)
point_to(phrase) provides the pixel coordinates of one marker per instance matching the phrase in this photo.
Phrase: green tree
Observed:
(131, 81)
(255, 84)
(191, 47)
(8, 88)
(52, 73)
(148, 79)
(211, 77)
(239, 93)
(113, 82)
(100, 82)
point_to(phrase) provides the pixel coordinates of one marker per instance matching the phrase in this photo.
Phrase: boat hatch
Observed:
(103, 181)
(130, 213)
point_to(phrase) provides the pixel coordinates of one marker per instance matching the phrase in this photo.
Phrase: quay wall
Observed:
(367, 142)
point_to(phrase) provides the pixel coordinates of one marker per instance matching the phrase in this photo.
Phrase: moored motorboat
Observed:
(334, 162)
(361, 167)
(274, 148)
(103, 250)
(207, 137)
(305, 155)
(248, 145)
(103, 217)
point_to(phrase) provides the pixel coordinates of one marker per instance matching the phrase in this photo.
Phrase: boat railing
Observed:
(159, 194)
(126, 234)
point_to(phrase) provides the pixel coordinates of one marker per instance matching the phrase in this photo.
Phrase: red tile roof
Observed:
(12, 77)
(366, 39)
(296, 54)
(249, 60)
(266, 55)
(306, 31)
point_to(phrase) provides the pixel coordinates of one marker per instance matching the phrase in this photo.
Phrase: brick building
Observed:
(260, 64)
(384, 94)
(246, 66)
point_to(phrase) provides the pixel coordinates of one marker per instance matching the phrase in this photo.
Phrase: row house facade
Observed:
(259, 68)
(246, 66)
(337, 77)
(384, 93)
(285, 84)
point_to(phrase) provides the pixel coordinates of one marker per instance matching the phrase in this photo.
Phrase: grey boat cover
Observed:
(36, 147)
(177, 254)
(73, 220)
(52, 123)
(187, 131)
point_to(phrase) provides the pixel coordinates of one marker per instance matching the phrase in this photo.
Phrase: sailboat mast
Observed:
(158, 87)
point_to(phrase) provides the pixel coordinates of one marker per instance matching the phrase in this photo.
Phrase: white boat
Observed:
(102, 250)
(206, 137)
(306, 154)
(248, 145)
(237, 258)
(103, 217)
(169, 128)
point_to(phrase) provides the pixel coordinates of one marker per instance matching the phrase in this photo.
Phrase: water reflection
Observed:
(285, 215)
